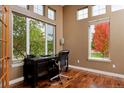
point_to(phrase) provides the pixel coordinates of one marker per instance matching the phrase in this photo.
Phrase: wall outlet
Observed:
(78, 61)
(114, 66)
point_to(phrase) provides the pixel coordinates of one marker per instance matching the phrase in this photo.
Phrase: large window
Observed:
(39, 9)
(98, 10)
(82, 13)
(32, 37)
(51, 14)
(37, 37)
(117, 7)
(19, 36)
(99, 40)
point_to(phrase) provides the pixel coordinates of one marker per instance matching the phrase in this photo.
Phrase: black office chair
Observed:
(62, 62)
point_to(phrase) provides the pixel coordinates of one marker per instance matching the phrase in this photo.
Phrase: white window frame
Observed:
(38, 10)
(116, 7)
(50, 16)
(89, 41)
(54, 46)
(83, 15)
(46, 47)
(27, 35)
(98, 10)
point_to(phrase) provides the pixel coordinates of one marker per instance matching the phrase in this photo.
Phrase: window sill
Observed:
(82, 19)
(20, 59)
(17, 64)
(99, 60)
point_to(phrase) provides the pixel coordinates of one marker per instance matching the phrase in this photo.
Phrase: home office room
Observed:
(61, 46)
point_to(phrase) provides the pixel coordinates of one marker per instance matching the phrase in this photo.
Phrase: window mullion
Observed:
(54, 40)
(12, 36)
(89, 52)
(27, 36)
(46, 45)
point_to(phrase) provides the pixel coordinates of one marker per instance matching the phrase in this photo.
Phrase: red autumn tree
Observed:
(101, 38)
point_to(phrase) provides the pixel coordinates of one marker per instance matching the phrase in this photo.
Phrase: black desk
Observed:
(37, 67)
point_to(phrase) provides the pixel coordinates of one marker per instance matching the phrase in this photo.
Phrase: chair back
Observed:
(63, 58)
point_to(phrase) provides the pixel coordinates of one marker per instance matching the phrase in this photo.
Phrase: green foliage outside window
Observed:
(50, 47)
(19, 36)
(37, 38)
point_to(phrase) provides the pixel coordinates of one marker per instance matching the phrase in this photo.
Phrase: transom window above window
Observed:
(98, 10)
(39, 9)
(82, 13)
(117, 7)
(51, 14)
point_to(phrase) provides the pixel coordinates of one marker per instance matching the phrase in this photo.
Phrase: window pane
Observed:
(19, 36)
(98, 10)
(82, 14)
(51, 14)
(102, 11)
(117, 7)
(50, 39)
(99, 41)
(37, 37)
(39, 9)
(85, 11)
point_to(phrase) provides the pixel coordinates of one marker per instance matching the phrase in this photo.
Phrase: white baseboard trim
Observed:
(98, 71)
(16, 80)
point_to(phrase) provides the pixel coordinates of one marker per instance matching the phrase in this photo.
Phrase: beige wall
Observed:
(17, 72)
(76, 39)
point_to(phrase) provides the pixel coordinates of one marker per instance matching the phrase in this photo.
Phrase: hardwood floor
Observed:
(79, 79)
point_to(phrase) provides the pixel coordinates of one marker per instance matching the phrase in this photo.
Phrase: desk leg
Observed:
(34, 77)
(34, 81)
